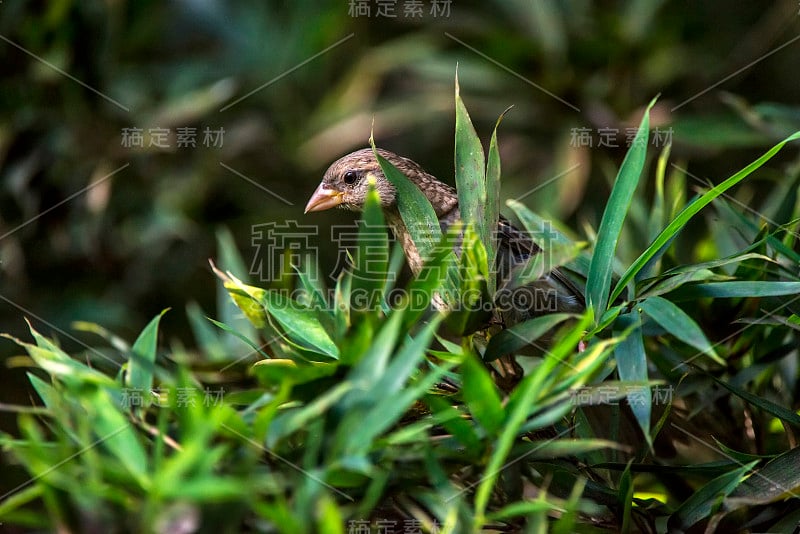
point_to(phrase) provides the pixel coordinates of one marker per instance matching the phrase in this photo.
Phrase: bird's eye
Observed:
(350, 177)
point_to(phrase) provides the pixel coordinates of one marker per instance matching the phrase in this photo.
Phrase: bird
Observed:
(345, 185)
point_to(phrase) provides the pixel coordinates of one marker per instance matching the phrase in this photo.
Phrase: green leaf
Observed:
(600, 270)
(230, 260)
(237, 334)
(396, 261)
(737, 290)
(470, 176)
(390, 408)
(492, 211)
(49, 395)
(406, 360)
(277, 371)
(114, 340)
(525, 508)
(386, 398)
(341, 303)
(59, 364)
(301, 325)
(247, 298)
(678, 323)
(143, 357)
(415, 209)
(433, 279)
(289, 422)
(206, 336)
(19, 499)
(331, 520)
(480, 395)
(768, 406)
(625, 497)
(372, 256)
(740, 219)
(559, 448)
(525, 395)
(708, 499)
(373, 364)
(311, 282)
(454, 422)
(690, 211)
(632, 367)
(116, 434)
(671, 283)
(713, 264)
(779, 479)
(210, 489)
(467, 292)
(656, 221)
(567, 522)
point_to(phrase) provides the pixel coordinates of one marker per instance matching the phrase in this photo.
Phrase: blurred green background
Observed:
(294, 85)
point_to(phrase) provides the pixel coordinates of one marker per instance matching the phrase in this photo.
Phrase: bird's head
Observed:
(346, 181)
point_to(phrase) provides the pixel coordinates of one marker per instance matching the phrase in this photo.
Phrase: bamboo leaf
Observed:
(470, 176)
(600, 269)
(415, 209)
(632, 367)
(690, 211)
(143, 356)
(678, 323)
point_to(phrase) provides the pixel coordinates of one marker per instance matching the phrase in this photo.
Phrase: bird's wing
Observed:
(516, 248)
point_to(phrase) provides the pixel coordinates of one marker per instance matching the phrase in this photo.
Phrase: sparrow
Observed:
(345, 184)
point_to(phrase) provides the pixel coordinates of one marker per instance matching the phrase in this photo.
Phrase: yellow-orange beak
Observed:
(323, 199)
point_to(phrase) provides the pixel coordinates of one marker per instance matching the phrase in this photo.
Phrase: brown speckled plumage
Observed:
(345, 185)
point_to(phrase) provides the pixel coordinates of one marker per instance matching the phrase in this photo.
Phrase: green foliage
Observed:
(619, 203)
(362, 407)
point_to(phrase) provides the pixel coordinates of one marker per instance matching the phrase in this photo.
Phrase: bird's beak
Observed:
(324, 199)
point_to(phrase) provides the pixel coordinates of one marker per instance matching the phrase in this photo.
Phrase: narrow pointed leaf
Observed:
(480, 394)
(415, 209)
(470, 175)
(708, 499)
(58, 364)
(632, 367)
(600, 270)
(779, 479)
(301, 324)
(690, 211)
(736, 289)
(372, 256)
(143, 356)
(492, 210)
(116, 433)
(540, 264)
(768, 406)
(678, 323)
(525, 394)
